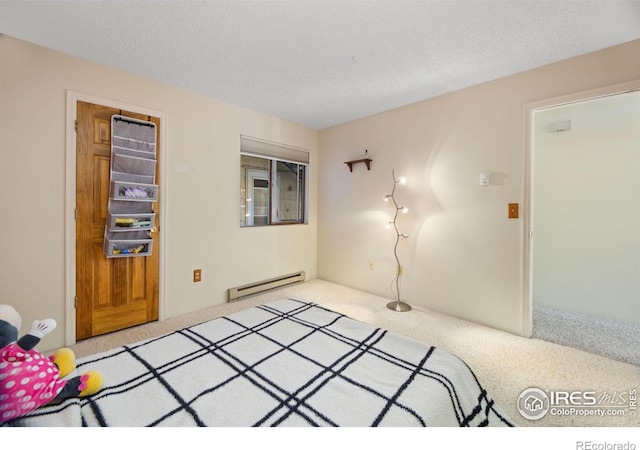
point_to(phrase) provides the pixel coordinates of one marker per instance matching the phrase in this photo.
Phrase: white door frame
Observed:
(70, 203)
(253, 174)
(527, 247)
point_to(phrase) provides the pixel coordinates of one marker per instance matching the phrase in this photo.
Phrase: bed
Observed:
(284, 363)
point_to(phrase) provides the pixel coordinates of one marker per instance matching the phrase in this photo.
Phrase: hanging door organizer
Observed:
(133, 191)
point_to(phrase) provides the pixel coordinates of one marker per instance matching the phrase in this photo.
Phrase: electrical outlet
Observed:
(372, 264)
(197, 275)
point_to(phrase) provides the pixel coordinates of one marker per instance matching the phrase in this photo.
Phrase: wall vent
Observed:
(559, 127)
(265, 285)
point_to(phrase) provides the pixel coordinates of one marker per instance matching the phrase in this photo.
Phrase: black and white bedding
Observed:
(286, 363)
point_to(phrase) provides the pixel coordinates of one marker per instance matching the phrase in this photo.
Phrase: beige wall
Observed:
(201, 186)
(464, 257)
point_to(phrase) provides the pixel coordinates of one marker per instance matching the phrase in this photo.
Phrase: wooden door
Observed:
(111, 293)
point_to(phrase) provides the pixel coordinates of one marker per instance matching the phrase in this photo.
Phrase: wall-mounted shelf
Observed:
(367, 161)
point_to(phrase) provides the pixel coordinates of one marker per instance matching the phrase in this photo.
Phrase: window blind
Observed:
(264, 149)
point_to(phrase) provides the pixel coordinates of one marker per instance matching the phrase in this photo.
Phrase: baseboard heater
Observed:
(265, 285)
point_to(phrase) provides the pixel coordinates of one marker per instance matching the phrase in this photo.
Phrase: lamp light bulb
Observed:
(404, 209)
(386, 198)
(402, 180)
(388, 224)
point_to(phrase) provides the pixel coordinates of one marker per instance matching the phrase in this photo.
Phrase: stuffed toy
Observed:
(28, 379)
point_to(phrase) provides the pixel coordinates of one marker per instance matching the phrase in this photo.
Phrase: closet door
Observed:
(111, 293)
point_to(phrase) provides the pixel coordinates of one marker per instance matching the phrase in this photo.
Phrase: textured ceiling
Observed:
(321, 63)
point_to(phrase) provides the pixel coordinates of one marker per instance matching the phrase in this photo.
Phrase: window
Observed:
(273, 183)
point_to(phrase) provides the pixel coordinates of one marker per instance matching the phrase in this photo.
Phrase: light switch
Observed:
(513, 210)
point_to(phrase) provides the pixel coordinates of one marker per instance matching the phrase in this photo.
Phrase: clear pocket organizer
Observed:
(133, 191)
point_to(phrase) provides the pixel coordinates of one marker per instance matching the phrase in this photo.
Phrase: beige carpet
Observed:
(505, 364)
(600, 335)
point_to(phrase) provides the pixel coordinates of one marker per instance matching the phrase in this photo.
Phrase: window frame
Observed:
(273, 155)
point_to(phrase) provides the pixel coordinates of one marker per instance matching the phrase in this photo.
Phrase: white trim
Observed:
(70, 203)
(527, 223)
(252, 174)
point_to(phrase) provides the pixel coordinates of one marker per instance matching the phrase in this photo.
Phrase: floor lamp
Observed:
(397, 305)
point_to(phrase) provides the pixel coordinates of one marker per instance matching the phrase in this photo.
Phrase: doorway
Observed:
(121, 294)
(584, 214)
(257, 197)
(111, 293)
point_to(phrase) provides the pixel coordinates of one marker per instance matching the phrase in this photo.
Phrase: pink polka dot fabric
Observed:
(28, 380)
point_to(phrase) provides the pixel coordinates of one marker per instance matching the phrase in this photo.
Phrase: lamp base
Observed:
(399, 306)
